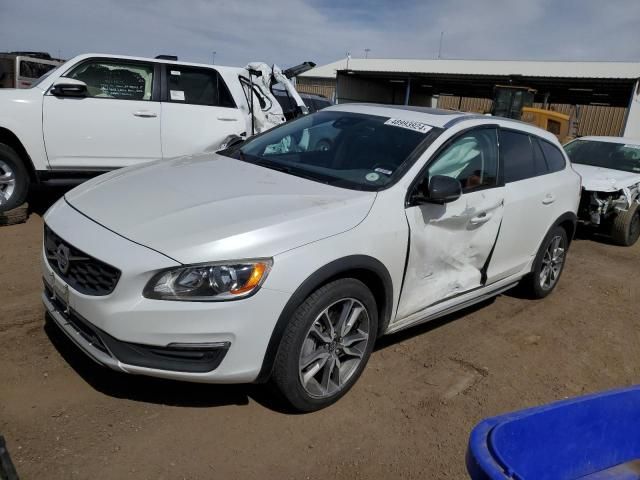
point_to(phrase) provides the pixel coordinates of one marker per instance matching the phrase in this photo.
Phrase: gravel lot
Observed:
(409, 416)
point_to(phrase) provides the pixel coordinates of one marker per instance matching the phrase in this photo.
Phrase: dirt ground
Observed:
(409, 416)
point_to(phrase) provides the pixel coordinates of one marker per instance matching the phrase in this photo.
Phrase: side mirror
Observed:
(444, 189)
(440, 190)
(69, 87)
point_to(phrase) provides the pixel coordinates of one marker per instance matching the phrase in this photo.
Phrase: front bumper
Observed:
(107, 350)
(210, 342)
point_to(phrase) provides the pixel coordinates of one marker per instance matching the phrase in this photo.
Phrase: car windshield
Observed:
(345, 149)
(617, 156)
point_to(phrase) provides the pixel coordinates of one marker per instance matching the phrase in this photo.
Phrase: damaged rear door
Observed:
(451, 244)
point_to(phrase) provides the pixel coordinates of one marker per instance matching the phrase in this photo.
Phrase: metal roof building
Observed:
(420, 82)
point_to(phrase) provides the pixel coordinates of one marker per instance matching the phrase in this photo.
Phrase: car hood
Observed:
(210, 207)
(599, 179)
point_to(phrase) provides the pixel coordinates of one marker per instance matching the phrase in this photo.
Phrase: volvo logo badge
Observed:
(62, 258)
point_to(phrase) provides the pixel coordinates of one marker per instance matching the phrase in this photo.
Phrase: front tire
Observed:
(548, 264)
(14, 179)
(326, 345)
(626, 226)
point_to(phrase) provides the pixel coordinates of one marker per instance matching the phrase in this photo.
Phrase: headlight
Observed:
(209, 282)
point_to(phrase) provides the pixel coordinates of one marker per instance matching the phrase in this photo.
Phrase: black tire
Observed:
(625, 229)
(286, 375)
(14, 163)
(532, 285)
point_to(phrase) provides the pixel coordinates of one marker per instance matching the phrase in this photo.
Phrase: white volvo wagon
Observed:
(285, 257)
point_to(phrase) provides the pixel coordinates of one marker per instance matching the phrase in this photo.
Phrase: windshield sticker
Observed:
(383, 170)
(372, 177)
(175, 72)
(177, 95)
(408, 124)
(637, 147)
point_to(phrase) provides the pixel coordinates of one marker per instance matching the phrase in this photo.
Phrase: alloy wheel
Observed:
(552, 262)
(7, 182)
(333, 347)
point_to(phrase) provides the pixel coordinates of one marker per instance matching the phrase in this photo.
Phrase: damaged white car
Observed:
(285, 257)
(610, 170)
(98, 112)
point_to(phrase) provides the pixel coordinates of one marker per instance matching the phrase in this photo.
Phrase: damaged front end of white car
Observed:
(610, 170)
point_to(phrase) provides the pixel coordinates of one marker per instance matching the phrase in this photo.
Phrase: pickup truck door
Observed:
(198, 112)
(117, 124)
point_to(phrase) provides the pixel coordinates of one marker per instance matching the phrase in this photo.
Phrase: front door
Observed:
(451, 244)
(117, 124)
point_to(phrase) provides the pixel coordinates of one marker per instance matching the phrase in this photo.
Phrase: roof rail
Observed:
(167, 57)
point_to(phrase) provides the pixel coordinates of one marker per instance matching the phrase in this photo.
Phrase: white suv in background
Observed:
(276, 259)
(99, 112)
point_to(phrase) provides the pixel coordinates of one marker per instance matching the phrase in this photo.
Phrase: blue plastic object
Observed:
(595, 437)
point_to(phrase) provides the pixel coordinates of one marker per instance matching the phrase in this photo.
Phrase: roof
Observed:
(220, 68)
(431, 116)
(623, 70)
(436, 117)
(624, 140)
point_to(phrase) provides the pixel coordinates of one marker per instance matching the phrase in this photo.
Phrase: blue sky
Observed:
(290, 31)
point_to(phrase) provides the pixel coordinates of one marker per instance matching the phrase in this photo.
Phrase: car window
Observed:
(31, 69)
(614, 155)
(555, 158)
(197, 86)
(121, 81)
(517, 155)
(472, 159)
(321, 136)
(320, 104)
(346, 149)
(539, 163)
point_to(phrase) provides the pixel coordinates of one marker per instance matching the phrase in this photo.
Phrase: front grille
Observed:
(80, 271)
(78, 323)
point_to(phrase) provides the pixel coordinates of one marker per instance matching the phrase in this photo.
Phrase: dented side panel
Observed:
(449, 248)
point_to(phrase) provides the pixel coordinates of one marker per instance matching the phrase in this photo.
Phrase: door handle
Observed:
(548, 199)
(481, 218)
(227, 119)
(145, 114)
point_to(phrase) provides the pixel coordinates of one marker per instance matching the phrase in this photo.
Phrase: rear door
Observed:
(530, 203)
(115, 125)
(451, 244)
(198, 112)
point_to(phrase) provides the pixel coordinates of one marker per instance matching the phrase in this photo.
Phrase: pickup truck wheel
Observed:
(326, 345)
(14, 179)
(626, 226)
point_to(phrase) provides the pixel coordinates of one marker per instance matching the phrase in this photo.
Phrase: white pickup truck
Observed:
(99, 112)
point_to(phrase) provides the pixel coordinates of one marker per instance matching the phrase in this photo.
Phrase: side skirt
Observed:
(480, 296)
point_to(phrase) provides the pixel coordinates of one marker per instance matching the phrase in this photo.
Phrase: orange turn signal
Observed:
(258, 272)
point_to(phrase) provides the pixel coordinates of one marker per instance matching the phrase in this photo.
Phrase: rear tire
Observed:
(626, 226)
(548, 265)
(14, 179)
(326, 345)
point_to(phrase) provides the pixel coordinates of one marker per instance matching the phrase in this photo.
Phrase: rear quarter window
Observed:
(555, 158)
(517, 155)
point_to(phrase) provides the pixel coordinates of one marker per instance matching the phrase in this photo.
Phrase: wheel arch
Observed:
(368, 270)
(568, 221)
(11, 140)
